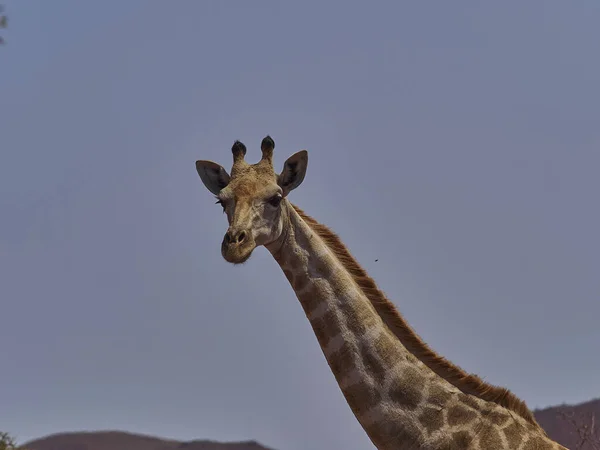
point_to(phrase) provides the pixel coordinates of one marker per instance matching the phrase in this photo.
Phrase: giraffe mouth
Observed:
(237, 254)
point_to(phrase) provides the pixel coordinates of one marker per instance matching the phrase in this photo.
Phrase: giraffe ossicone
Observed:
(403, 394)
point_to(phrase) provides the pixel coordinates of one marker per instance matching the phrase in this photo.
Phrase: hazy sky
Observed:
(457, 143)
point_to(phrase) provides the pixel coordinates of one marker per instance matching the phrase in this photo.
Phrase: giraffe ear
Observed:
(294, 170)
(212, 175)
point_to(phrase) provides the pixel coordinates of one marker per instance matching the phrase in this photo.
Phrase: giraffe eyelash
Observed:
(220, 202)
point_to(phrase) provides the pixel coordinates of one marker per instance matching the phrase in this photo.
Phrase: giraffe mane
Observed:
(466, 382)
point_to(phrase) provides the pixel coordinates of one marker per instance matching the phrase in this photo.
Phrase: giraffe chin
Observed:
(237, 255)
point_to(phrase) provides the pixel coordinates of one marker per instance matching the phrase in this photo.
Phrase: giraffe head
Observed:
(253, 196)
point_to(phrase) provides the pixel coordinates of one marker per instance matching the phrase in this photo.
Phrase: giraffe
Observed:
(403, 394)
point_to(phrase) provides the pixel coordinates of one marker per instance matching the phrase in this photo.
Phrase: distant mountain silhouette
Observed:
(550, 419)
(119, 440)
(560, 429)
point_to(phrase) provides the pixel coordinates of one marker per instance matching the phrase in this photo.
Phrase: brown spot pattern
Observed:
(326, 327)
(387, 350)
(360, 318)
(407, 391)
(396, 431)
(469, 401)
(537, 443)
(362, 397)
(343, 361)
(300, 282)
(459, 415)
(310, 301)
(461, 440)
(438, 395)
(432, 418)
(498, 417)
(513, 434)
(373, 364)
(490, 439)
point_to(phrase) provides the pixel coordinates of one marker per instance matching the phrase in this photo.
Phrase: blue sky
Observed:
(455, 143)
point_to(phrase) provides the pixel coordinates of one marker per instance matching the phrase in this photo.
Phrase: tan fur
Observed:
(467, 383)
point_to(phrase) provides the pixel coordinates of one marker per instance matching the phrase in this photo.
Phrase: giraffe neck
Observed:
(383, 383)
(399, 401)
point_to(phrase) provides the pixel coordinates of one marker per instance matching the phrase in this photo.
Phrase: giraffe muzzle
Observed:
(237, 245)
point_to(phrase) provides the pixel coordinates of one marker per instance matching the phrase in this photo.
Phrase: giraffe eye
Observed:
(275, 200)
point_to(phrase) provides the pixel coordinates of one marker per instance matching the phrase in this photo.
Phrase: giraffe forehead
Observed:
(252, 183)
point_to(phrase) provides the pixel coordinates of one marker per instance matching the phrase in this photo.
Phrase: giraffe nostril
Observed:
(233, 237)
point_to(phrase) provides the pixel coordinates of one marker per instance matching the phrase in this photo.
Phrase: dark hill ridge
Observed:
(120, 440)
(561, 430)
(549, 418)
